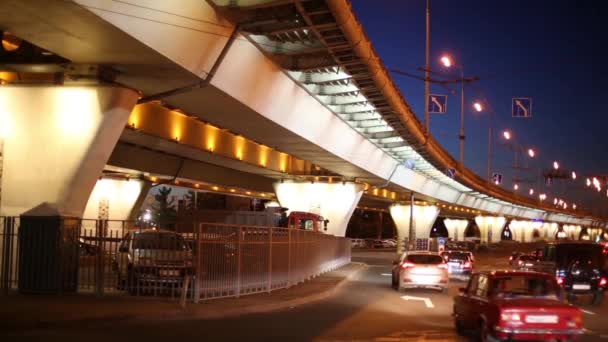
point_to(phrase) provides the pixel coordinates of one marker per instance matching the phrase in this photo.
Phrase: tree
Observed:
(164, 209)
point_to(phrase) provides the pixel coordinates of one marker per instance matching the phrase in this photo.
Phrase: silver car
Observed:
(148, 259)
(420, 270)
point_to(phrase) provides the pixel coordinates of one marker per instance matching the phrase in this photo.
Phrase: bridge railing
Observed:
(213, 261)
(239, 260)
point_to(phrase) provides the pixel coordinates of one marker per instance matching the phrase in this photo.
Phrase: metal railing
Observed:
(240, 260)
(108, 257)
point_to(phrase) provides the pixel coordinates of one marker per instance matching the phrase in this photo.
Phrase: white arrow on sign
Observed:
(427, 301)
(436, 102)
(523, 108)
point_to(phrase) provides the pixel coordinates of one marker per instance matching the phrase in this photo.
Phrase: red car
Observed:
(515, 305)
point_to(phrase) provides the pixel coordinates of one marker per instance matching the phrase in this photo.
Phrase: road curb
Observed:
(271, 307)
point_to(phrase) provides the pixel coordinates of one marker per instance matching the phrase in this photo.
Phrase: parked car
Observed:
(420, 270)
(508, 305)
(579, 267)
(152, 258)
(357, 243)
(460, 264)
(381, 244)
(390, 243)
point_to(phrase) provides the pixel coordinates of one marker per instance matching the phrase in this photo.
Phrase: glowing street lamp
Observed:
(515, 187)
(507, 135)
(446, 61)
(555, 165)
(555, 201)
(542, 197)
(531, 153)
(531, 192)
(588, 182)
(478, 107)
(573, 175)
(573, 206)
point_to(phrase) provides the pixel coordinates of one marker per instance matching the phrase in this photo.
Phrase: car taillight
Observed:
(520, 262)
(560, 280)
(407, 265)
(467, 264)
(603, 281)
(442, 266)
(510, 317)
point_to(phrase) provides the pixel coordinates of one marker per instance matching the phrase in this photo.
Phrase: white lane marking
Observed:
(386, 274)
(427, 301)
(588, 312)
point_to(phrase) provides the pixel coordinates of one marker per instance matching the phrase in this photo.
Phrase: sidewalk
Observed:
(25, 311)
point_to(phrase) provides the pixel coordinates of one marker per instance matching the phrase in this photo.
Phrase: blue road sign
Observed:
(438, 104)
(450, 173)
(521, 107)
(497, 178)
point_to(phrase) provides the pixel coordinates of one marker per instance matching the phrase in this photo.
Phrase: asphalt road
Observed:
(365, 309)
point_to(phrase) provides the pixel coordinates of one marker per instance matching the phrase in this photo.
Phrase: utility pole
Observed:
(427, 69)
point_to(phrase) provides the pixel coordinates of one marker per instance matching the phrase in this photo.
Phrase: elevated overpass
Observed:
(299, 78)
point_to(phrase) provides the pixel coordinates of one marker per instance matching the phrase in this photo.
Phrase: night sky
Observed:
(552, 51)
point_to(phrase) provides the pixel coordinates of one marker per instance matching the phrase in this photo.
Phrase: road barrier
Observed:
(107, 257)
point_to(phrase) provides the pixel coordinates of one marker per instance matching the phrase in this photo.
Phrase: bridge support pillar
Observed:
(549, 230)
(116, 200)
(334, 201)
(490, 228)
(573, 232)
(456, 228)
(424, 218)
(56, 141)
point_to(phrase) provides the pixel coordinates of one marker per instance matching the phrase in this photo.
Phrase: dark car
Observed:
(525, 262)
(460, 263)
(514, 305)
(513, 258)
(579, 267)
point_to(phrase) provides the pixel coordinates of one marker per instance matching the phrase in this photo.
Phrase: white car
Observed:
(420, 270)
(357, 243)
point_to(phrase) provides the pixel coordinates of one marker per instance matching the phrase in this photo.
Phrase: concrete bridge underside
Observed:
(173, 53)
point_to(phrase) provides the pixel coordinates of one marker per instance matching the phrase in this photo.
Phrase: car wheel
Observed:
(598, 298)
(484, 333)
(571, 298)
(460, 330)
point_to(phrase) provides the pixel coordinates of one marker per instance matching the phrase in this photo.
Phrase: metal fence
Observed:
(239, 260)
(106, 257)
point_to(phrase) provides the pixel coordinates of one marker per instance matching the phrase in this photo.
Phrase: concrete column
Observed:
(456, 228)
(424, 217)
(572, 231)
(490, 228)
(116, 200)
(524, 230)
(57, 139)
(549, 230)
(334, 201)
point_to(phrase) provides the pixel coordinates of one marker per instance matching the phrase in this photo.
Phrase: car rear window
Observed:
(568, 253)
(165, 241)
(525, 286)
(424, 259)
(456, 255)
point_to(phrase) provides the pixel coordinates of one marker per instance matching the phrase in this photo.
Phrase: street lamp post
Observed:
(447, 62)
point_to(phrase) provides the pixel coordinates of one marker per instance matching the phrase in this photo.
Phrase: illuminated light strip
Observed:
(174, 125)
